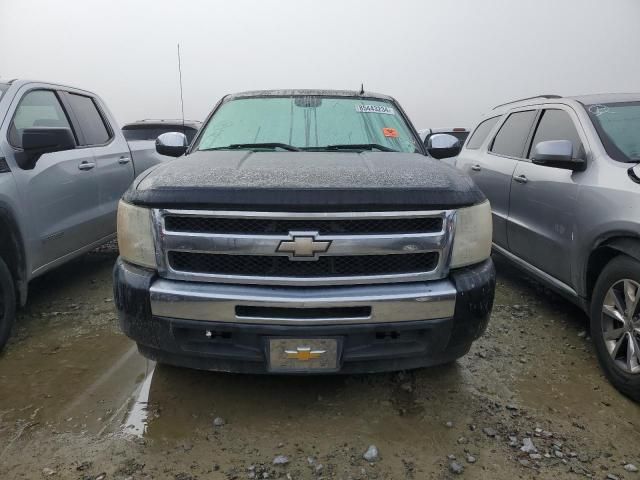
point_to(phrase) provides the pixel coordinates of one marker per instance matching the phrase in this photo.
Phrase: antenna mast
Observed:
(181, 96)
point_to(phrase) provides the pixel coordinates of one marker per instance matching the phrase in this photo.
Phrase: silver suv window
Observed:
(556, 124)
(481, 132)
(512, 136)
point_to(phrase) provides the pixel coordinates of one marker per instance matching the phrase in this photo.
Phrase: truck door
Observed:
(59, 193)
(114, 167)
(541, 227)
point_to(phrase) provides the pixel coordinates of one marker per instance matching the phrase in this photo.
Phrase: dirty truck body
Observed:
(304, 232)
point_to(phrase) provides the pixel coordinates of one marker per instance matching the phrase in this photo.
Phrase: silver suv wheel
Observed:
(621, 325)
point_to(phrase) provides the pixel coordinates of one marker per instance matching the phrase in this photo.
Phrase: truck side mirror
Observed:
(556, 154)
(443, 145)
(172, 144)
(37, 141)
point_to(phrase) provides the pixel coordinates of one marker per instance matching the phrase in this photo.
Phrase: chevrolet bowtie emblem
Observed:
(304, 354)
(303, 246)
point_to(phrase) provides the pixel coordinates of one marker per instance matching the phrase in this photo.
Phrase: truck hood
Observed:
(304, 181)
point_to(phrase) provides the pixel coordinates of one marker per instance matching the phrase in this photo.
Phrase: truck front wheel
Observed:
(7, 303)
(615, 324)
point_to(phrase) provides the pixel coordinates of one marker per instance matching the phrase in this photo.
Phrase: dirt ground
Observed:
(78, 402)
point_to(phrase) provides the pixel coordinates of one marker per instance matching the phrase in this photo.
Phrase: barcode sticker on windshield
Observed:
(375, 109)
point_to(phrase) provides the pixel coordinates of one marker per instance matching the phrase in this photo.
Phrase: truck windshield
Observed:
(618, 125)
(313, 123)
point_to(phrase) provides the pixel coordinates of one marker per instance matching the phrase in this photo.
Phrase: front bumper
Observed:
(381, 327)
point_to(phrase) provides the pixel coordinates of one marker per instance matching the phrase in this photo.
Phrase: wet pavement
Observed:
(78, 402)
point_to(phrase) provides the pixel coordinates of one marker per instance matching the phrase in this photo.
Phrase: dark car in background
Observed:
(142, 135)
(150, 129)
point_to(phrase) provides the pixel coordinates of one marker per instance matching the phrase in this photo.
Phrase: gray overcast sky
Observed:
(447, 62)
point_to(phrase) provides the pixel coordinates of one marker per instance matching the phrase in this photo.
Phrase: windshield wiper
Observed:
(355, 146)
(240, 146)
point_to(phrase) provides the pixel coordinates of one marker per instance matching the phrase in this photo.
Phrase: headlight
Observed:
(135, 235)
(472, 240)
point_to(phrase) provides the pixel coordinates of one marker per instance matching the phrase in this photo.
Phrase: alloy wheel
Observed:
(621, 325)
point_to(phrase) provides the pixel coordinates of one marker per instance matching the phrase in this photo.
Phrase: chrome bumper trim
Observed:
(217, 302)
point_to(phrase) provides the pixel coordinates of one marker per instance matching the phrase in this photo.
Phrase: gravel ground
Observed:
(78, 402)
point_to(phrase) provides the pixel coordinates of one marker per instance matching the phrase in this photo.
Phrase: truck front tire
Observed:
(7, 303)
(615, 324)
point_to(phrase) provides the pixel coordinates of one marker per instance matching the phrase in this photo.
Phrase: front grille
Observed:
(280, 266)
(267, 226)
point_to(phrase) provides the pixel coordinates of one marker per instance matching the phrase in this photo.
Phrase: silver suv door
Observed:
(114, 168)
(59, 193)
(492, 168)
(541, 227)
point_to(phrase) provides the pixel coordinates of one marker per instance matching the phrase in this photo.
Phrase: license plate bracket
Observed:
(303, 355)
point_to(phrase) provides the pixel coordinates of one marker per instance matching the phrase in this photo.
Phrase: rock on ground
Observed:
(372, 454)
(281, 460)
(528, 446)
(456, 468)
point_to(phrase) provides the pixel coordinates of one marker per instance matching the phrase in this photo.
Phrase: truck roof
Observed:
(308, 92)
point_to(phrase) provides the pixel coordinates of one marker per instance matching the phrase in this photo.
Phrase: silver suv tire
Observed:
(615, 324)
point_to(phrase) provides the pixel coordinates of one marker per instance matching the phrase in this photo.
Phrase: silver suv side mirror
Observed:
(172, 144)
(443, 145)
(557, 154)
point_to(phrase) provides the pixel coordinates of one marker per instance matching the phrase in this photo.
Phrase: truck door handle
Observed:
(86, 165)
(521, 179)
(476, 167)
(124, 160)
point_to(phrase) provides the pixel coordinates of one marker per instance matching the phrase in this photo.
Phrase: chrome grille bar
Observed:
(262, 245)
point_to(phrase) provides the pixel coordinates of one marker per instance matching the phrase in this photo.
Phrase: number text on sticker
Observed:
(375, 109)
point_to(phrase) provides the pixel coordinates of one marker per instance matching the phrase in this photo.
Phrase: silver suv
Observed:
(563, 178)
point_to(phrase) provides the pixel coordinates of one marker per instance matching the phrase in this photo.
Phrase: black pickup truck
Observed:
(303, 231)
